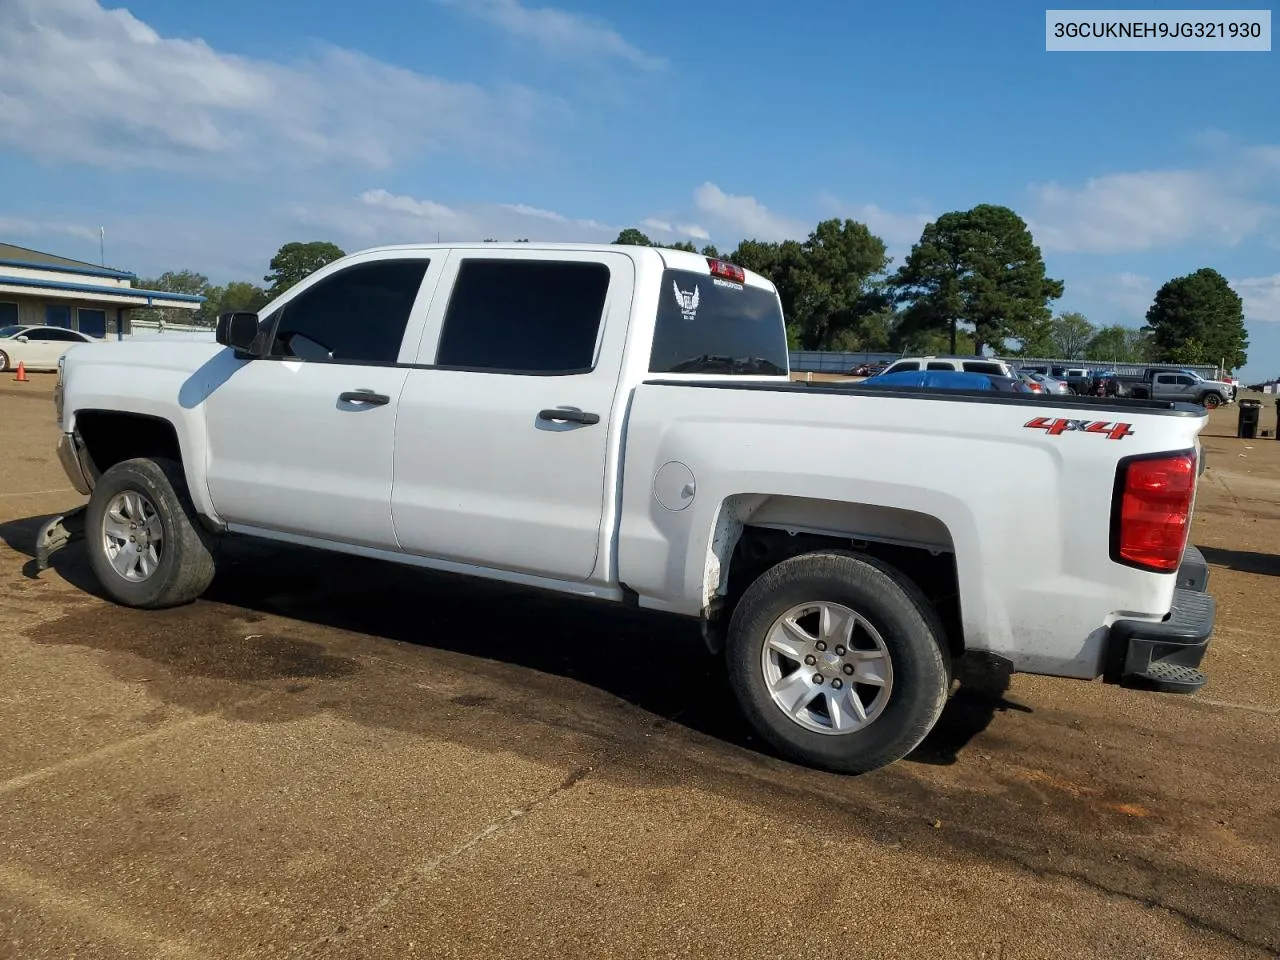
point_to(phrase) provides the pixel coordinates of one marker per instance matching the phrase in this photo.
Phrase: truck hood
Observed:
(175, 351)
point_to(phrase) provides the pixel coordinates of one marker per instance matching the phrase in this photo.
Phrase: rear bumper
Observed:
(1165, 655)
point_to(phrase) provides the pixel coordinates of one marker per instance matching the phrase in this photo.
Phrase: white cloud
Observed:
(1261, 296)
(557, 31)
(896, 229)
(427, 209)
(1124, 296)
(1144, 210)
(899, 231)
(527, 211)
(379, 217)
(15, 226)
(83, 83)
(689, 231)
(746, 215)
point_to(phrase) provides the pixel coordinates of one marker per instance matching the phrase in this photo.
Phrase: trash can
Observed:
(1248, 419)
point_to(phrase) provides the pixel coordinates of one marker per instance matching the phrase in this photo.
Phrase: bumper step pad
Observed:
(1165, 655)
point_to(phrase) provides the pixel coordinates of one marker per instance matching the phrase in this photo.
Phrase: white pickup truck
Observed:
(619, 423)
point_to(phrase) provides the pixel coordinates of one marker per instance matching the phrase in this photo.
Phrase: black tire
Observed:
(906, 622)
(185, 565)
(1210, 401)
(4, 361)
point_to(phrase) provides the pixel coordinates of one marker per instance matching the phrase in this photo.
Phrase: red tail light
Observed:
(1152, 511)
(730, 271)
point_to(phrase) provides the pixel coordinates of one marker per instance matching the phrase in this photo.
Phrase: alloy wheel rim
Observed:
(132, 536)
(827, 668)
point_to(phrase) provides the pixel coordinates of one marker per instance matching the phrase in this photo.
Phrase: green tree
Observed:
(710, 251)
(830, 284)
(680, 245)
(1118, 344)
(296, 261)
(633, 238)
(930, 342)
(236, 297)
(981, 268)
(175, 281)
(1070, 334)
(783, 265)
(1190, 351)
(1198, 318)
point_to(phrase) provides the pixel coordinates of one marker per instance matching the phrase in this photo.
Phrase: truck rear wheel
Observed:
(838, 661)
(146, 544)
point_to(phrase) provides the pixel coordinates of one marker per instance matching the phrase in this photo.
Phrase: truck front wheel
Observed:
(146, 545)
(838, 661)
(1210, 401)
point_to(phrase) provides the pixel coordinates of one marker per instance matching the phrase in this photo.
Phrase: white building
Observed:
(41, 288)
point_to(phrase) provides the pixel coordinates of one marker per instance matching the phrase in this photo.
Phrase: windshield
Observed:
(9, 331)
(709, 325)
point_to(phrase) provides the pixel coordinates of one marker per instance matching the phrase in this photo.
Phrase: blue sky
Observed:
(204, 135)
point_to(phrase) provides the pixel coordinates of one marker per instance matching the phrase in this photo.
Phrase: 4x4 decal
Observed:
(1054, 427)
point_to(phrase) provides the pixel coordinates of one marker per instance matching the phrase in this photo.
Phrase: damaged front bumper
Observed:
(76, 463)
(61, 530)
(1165, 655)
(57, 533)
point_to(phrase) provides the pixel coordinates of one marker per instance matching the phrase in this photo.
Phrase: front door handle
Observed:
(568, 416)
(364, 396)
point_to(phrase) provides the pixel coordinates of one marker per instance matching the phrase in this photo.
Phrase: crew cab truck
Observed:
(1158, 383)
(618, 423)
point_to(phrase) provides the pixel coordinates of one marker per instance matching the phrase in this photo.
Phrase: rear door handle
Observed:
(364, 396)
(568, 416)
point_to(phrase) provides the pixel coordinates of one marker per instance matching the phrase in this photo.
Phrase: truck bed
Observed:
(1062, 401)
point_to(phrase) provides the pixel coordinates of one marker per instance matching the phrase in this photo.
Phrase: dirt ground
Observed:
(336, 758)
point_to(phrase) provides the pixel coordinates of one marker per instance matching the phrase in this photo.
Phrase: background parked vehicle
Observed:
(1049, 384)
(1106, 383)
(1181, 385)
(37, 347)
(1077, 379)
(960, 364)
(947, 380)
(868, 369)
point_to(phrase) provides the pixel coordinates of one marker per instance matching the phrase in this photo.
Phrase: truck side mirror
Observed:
(237, 330)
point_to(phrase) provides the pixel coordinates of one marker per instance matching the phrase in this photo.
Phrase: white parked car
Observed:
(619, 423)
(959, 364)
(37, 347)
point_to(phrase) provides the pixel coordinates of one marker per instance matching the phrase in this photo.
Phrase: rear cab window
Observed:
(904, 365)
(975, 366)
(708, 324)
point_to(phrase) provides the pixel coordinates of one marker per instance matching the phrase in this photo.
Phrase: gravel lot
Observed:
(332, 757)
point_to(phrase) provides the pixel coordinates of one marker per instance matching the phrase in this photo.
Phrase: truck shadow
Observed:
(1246, 561)
(655, 662)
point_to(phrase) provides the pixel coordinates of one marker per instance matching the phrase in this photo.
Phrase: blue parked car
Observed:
(947, 380)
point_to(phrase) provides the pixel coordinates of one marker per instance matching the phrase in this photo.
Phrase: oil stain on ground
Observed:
(196, 641)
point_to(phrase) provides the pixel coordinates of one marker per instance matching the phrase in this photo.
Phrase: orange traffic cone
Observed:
(22, 373)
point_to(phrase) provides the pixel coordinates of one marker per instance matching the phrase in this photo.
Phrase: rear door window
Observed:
(524, 316)
(707, 324)
(940, 365)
